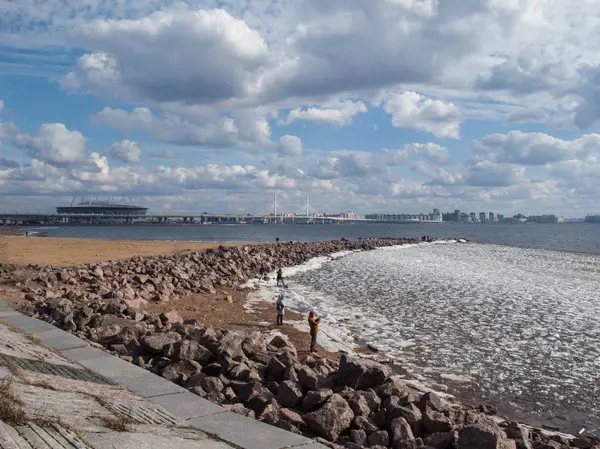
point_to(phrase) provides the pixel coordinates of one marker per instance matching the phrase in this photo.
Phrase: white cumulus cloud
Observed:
(54, 143)
(126, 151)
(412, 110)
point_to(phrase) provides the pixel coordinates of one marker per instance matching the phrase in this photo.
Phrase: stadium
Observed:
(94, 206)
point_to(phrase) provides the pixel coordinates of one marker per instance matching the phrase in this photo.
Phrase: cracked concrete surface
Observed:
(63, 410)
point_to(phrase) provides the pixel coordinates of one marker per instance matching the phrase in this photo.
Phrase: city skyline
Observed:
(222, 103)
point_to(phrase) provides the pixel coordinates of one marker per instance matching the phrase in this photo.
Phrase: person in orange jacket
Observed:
(314, 330)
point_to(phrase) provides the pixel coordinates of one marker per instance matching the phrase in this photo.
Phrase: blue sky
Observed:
(381, 106)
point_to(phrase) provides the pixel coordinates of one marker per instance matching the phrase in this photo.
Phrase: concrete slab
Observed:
(33, 436)
(61, 341)
(84, 353)
(110, 367)
(27, 324)
(187, 405)
(152, 437)
(8, 312)
(148, 385)
(247, 433)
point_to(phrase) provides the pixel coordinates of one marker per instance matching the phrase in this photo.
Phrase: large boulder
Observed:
(364, 423)
(289, 393)
(521, 435)
(155, 343)
(292, 417)
(307, 377)
(359, 405)
(187, 349)
(181, 371)
(259, 402)
(379, 438)
(314, 399)
(401, 430)
(333, 418)
(361, 374)
(254, 344)
(436, 422)
(275, 369)
(212, 385)
(483, 435)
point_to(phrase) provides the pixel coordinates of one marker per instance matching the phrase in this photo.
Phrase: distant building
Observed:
(500, 218)
(491, 217)
(407, 218)
(473, 217)
(482, 217)
(542, 219)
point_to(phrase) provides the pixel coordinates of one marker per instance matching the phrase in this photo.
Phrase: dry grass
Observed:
(118, 421)
(11, 407)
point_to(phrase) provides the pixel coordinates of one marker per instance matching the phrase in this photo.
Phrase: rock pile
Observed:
(352, 404)
(160, 278)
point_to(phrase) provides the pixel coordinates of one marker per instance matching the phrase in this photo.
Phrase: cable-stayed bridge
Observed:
(306, 214)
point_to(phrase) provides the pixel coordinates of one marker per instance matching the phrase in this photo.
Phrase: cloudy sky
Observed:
(365, 105)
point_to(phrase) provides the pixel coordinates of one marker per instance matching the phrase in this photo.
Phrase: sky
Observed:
(392, 106)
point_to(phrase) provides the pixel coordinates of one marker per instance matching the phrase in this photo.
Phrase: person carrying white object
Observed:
(280, 306)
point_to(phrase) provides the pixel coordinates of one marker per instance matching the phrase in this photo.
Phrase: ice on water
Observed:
(522, 325)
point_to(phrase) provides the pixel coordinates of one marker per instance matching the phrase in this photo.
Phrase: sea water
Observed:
(519, 328)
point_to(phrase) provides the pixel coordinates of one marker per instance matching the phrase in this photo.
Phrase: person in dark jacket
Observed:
(314, 330)
(280, 306)
(280, 278)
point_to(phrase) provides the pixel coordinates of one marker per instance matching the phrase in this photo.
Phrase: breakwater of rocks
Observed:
(352, 404)
(140, 280)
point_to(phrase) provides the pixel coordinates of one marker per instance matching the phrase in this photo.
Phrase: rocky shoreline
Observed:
(352, 403)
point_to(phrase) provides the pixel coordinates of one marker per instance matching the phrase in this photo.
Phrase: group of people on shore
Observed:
(313, 320)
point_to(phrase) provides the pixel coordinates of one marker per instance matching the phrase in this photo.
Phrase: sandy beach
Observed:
(22, 250)
(208, 309)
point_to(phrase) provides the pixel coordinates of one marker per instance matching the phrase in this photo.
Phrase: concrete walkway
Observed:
(67, 394)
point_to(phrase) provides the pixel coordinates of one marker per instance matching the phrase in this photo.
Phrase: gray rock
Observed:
(270, 413)
(401, 430)
(229, 394)
(379, 438)
(393, 388)
(188, 349)
(287, 426)
(240, 372)
(292, 417)
(361, 374)
(333, 418)
(240, 410)
(435, 422)
(181, 371)
(307, 377)
(279, 342)
(249, 390)
(314, 399)
(358, 436)
(275, 369)
(439, 440)
(155, 343)
(259, 402)
(359, 405)
(290, 393)
(212, 384)
(484, 435)
(216, 397)
(372, 399)
(520, 434)
(364, 423)
(431, 400)
(253, 344)
(213, 369)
